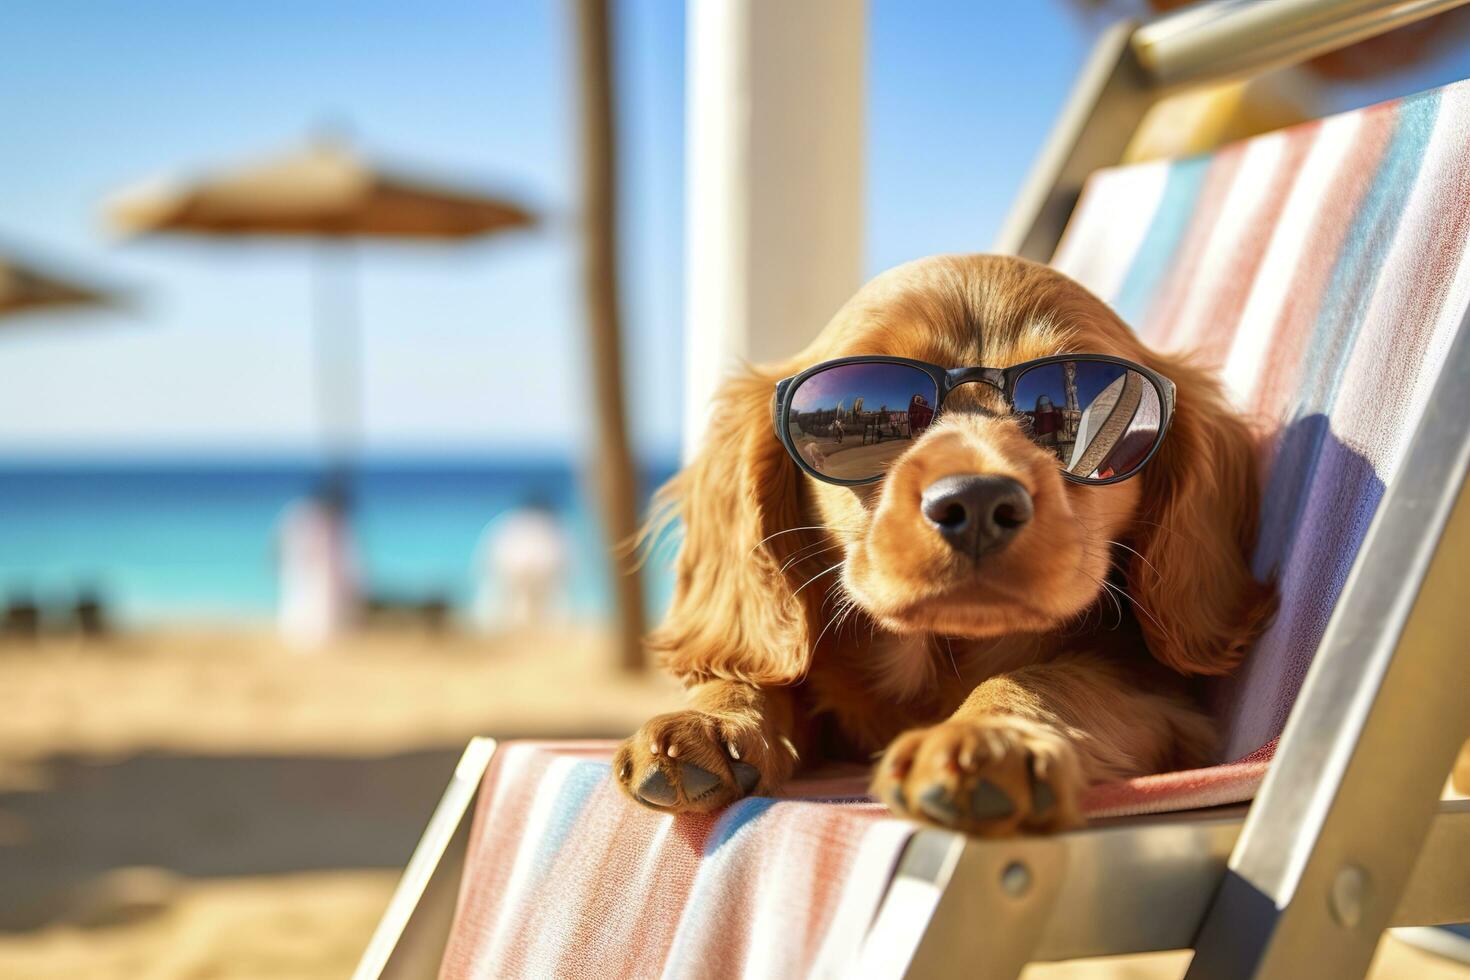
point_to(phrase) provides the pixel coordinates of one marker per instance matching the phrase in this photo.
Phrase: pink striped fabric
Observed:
(1324, 270)
(567, 878)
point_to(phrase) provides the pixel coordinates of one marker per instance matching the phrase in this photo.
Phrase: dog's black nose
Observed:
(976, 513)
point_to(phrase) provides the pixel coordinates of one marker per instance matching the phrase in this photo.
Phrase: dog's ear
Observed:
(1200, 605)
(736, 613)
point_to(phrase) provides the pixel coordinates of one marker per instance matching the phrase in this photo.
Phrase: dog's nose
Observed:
(976, 513)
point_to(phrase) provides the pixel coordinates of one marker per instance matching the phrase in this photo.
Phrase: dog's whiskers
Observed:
(950, 647)
(1081, 624)
(818, 641)
(791, 530)
(819, 575)
(797, 556)
(1133, 601)
(1112, 591)
(846, 605)
(1140, 555)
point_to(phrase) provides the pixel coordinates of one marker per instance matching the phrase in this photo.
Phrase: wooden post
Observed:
(616, 478)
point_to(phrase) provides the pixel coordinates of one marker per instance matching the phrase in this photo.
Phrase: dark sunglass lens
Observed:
(1100, 419)
(851, 421)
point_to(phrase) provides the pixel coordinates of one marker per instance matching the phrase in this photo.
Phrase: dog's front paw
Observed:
(989, 776)
(695, 762)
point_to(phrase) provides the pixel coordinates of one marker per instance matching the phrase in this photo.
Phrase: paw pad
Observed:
(938, 804)
(1043, 797)
(989, 802)
(657, 789)
(747, 776)
(696, 782)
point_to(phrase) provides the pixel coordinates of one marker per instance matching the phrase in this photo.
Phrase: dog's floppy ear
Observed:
(736, 613)
(1200, 606)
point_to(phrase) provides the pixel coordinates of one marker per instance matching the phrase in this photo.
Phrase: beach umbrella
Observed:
(25, 288)
(327, 193)
(322, 190)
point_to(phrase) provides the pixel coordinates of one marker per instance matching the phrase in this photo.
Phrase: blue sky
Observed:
(878, 385)
(469, 348)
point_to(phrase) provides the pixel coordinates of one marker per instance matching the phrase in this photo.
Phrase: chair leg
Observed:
(985, 928)
(1333, 836)
(410, 938)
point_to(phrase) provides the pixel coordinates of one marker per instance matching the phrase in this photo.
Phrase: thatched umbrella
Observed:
(327, 193)
(25, 288)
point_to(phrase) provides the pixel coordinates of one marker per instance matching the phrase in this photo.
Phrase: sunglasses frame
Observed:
(946, 380)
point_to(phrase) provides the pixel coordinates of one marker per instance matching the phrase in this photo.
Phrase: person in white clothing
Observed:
(319, 598)
(521, 566)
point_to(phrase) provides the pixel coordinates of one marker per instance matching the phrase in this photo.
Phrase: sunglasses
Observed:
(846, 421)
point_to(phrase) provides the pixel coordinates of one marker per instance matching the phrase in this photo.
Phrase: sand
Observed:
(240, 692)
(310, 926)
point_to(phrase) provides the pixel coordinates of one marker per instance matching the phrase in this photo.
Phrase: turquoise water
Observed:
(168, 541)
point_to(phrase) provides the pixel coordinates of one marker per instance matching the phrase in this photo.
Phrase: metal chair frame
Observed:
(1347, 835)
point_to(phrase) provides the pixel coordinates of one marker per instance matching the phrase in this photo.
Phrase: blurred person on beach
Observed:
(318, 568)
(521, 566)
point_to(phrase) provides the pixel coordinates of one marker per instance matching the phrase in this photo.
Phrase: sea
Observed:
(165, 541)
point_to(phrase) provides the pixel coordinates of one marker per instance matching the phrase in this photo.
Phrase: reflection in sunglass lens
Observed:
(1100, 419)
(851, 421)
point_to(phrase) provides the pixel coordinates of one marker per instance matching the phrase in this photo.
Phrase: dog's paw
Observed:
(990, 776)
(695, 762)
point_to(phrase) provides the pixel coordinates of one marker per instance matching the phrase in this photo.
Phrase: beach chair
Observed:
(1325, 269)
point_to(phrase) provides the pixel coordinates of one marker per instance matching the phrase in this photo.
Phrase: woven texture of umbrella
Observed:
(327, 193)
(322, 191)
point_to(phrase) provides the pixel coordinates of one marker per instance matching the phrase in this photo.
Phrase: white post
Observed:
(774, 217)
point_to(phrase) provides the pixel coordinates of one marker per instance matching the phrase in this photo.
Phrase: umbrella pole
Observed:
(338, 349)
(617, 479)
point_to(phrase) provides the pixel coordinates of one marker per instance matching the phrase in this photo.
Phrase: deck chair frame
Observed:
(1347, 836)
(1132, 67)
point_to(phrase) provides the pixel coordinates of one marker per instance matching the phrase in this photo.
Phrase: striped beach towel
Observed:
(1323, 270)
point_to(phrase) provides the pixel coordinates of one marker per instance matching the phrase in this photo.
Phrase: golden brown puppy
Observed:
(813, 621)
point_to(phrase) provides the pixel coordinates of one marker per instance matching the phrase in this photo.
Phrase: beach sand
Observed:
(239, 692)
(307, 926)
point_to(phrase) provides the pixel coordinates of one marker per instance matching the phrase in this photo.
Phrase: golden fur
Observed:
(814, 621)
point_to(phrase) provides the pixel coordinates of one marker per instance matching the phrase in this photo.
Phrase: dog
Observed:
(816, 621)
